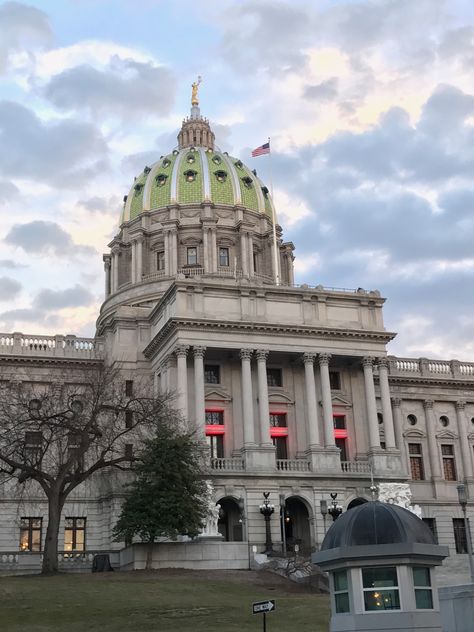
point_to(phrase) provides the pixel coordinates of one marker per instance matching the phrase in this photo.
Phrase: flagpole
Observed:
(275, 245)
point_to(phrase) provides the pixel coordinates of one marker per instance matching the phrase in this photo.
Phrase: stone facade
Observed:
(291, 385)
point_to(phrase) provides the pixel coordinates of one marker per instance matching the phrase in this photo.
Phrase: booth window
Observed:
(422, 584)
(341, 591)
(380, 586)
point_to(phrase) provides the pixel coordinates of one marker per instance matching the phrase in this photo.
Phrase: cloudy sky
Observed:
(369, 104)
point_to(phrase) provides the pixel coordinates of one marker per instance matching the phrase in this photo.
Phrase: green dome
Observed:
(193, 175)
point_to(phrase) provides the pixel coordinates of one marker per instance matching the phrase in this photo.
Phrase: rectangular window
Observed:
(380, 586)
(422, 584)
(278, 420)
(335, 380)
(341, 591)
(431, 524)
(223, 257)
(416, 461)
(74, 451)
(191, 256)
(30, 534)
(212, 374)
(280, 444)
(449, 466)
(255, 262)
(339, 422)
(274, 377)
(129, 419)
(75, 534)
(33, 442)
(160, 260)
(341, 444)
(214, 417)
(129, 451)
(460, 539)
(129, 388)
(216, 445)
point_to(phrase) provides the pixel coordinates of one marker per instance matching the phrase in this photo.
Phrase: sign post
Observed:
(262, 607)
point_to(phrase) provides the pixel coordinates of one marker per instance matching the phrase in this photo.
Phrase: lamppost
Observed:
(323, 507)
(335, 510)
(282, 523)
(462, 497)
(267, 509)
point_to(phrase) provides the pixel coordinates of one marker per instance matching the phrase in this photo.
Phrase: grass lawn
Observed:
(157, 601)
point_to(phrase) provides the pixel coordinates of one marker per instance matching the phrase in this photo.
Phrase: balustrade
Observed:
(293, 465)
(229, 464)
(355, 467)
(56, 346)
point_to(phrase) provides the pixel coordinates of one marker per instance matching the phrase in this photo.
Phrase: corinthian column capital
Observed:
(382, 363)
(460, 405)
(181, 350)
(199, 352)
(324, 359)
(428, 404)
(262, 354)
(246, 354)
(309, 358)
(368, 361)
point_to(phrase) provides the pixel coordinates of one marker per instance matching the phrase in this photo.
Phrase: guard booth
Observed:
(380, 560)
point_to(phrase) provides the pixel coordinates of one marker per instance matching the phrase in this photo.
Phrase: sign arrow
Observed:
(260, 607)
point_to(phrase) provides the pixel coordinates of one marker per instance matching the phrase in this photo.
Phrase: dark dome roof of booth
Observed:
(376, 523)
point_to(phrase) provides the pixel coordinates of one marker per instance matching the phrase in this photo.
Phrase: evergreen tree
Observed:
(169, 495)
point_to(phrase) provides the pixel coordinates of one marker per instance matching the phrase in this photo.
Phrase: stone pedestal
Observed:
(324, 460)
(259, 458)
(386, 462)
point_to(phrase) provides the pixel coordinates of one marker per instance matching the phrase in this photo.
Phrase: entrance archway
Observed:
(230, 523)
(297, 526)
(356, 502)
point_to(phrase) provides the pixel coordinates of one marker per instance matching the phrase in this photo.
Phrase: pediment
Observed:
(157, 244)
(226, 241)
(446, 434)
(279, 398)
(217, 395)
(414, 434)
(190, 241)
(337, 400)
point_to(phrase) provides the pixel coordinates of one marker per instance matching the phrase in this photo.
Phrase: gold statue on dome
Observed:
(194, 93)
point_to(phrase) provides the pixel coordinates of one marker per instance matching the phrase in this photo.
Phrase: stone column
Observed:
(114, 271)
(432, 441)
(263, 407)
(374, 436)
(205, 247)
(181, 353)
(214, 249)
(329, 440)
(250, 255)
(463, 432)
(247, 397)
(311, 404)
(133, 271)
(107, 266)
(173, 238)
(199, 395)
(386, 404)
(139, 264)
(398, 427)
(167, 253)
(243, 254)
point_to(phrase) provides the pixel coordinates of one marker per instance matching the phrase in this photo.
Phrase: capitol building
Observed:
(292, 386)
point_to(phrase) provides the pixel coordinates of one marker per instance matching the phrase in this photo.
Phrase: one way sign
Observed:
(260, 607)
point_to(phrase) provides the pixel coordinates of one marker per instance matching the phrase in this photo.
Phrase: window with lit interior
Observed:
(380, 586)
(75, 534)
(30, 534)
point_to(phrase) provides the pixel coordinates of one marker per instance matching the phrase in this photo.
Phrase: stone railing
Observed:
(423, 367)
(18, 562)
(228, 465)
(355, 467)
(293, 465)
(50, 346)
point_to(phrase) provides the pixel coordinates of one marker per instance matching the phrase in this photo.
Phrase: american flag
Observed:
(260, 151)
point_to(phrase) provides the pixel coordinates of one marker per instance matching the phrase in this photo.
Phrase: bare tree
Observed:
(59, 436)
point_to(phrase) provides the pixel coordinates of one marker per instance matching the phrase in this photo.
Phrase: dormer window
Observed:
(190, 159)
(161, 179)
(239, 164)
(265, 191)
(138, 187)
(216, 160)
(190, 175)
(147, 170)
(166, 163)
(221, 176)
(248, 182)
